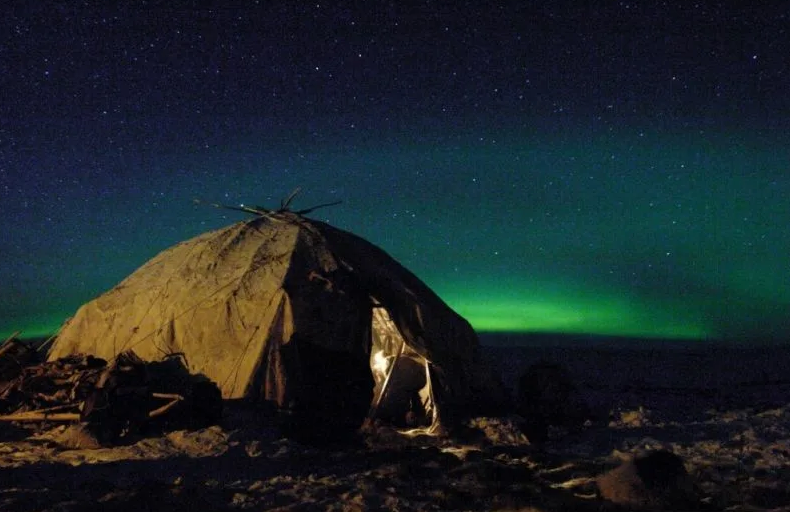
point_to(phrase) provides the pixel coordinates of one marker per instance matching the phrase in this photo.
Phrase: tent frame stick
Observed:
(9, 342)
(174, 400)
(385, 384)
(435, 419)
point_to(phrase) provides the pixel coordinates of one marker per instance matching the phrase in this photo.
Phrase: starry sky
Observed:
(613, 168)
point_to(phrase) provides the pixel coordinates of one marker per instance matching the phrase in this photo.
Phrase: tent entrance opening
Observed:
(403, 395)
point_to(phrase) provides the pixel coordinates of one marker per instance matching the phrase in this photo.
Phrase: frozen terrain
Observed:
(725, 412)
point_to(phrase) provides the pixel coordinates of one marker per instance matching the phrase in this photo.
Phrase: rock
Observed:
(77, 437)
(504, 431)
(638, 418)
(656, 480)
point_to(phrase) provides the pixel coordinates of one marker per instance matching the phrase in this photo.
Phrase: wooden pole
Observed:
(161, 410)
(41, 416)
(9, 342)
(49, 415)
(386, 382)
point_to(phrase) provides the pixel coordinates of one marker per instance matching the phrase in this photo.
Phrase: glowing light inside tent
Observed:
(380, 363)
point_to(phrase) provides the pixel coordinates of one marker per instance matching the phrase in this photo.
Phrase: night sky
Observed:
(616, 168)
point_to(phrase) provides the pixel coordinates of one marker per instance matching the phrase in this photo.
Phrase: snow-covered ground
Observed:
(724, 412)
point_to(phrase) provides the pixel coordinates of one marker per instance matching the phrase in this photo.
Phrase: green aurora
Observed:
(635, 233)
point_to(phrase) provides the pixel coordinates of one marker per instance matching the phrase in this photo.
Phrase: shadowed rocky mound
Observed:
(652, 481)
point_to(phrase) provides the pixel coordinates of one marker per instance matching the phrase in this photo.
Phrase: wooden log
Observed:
(54, 408)
(9, 342)
(41, 416)
(48, 414)
(175, 399)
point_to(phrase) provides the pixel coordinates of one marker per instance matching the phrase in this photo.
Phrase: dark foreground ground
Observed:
(725, 413)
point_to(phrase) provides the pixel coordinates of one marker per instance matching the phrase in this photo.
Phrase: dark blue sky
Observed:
(609, 167)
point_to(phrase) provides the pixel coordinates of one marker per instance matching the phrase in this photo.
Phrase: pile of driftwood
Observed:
(116, 399)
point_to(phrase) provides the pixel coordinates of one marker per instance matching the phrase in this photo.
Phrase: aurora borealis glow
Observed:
(643, 190)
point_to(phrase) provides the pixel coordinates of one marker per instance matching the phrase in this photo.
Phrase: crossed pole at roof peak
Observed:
(285, 206)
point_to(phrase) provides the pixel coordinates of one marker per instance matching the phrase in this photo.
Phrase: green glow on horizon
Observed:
(555, 312)
(560, 319)
(576, 312)
(679, 235)
(565, 319)
(42, 329)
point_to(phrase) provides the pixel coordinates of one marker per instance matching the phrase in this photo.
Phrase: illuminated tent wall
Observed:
(290, 310)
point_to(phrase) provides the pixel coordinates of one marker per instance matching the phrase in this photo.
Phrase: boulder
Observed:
(655, 480)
